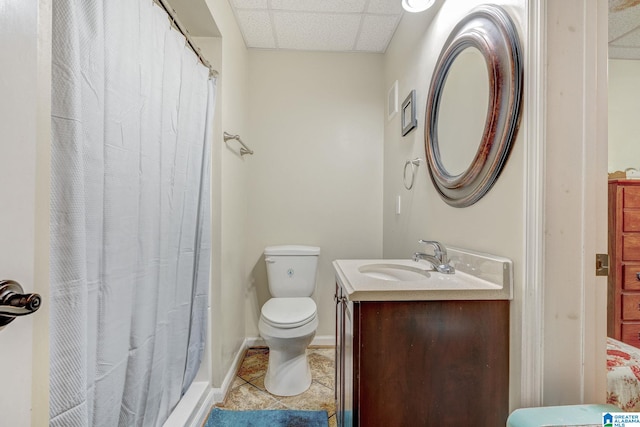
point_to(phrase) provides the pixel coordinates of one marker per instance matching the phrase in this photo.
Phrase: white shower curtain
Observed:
(132, 110)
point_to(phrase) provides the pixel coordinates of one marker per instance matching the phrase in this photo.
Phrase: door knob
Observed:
(13, 302)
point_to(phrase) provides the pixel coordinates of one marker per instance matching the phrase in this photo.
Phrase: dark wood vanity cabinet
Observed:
(422, 363)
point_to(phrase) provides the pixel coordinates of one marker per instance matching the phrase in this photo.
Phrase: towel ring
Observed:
(414, 169)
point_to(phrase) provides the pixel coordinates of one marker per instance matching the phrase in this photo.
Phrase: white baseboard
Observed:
(220, 393)
(318, 340)
(254, 342)
(324, 340)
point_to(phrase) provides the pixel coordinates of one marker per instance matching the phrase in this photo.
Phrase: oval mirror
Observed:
(465, 101)
(473, 106)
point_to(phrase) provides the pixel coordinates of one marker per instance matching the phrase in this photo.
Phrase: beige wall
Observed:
(316, 176)
(624, 108)
(495, 224)
(229, 193)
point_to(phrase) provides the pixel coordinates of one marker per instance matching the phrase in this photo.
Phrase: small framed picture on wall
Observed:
(408, 113)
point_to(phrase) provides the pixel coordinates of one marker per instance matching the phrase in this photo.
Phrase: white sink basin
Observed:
(477, 276)
(394, 272)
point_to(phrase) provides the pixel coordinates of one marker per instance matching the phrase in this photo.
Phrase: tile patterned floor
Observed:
(248, 392)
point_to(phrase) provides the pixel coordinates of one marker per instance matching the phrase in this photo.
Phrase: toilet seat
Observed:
(287, 313)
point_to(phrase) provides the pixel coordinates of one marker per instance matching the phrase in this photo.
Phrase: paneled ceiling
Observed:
(357, 25)
(318, 25)
(624, 29)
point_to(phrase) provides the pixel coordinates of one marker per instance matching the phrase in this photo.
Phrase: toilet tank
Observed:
(291, 270)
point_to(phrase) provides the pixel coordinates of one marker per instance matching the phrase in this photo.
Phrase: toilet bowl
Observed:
(288, 321)
(288, 331)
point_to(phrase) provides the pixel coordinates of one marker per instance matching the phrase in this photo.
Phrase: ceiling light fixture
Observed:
(417, 5)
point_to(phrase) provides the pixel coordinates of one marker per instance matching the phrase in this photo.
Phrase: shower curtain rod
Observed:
(173, 17)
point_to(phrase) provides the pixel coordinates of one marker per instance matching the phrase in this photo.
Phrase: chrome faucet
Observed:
(439, 259)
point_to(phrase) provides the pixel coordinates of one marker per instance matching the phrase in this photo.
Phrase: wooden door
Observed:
(24, 217)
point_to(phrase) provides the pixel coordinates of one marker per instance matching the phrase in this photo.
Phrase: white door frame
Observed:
(533, 292)
(563, 302)
(40, 384)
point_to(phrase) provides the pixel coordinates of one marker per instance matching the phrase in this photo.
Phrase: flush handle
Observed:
(14, 302)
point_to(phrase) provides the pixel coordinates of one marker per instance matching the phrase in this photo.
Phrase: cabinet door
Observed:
(432, 363)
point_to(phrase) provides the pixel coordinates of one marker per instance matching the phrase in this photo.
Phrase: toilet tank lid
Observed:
(292, 250)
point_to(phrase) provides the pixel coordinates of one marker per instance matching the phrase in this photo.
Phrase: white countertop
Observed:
(477, 277)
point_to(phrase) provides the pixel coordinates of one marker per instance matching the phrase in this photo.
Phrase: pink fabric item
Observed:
(623, 375)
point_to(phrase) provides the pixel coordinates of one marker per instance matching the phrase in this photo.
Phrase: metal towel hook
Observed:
(414, 169)
(244, 149)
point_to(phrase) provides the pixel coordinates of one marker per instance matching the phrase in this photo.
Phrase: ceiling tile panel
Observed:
(333, 6)
(631, 39)
(627, 46)
(325, 25)
(622, 20)
(308, 31)
(385, 7)
(624, 29)
(256, 28)
(250, 4)
(376, 32)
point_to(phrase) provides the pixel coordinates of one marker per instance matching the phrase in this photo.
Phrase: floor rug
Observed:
(267, 418)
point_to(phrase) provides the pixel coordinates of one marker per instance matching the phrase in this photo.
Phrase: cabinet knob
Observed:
(638, 275)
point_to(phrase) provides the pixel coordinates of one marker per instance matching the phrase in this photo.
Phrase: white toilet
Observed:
(288, 321)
